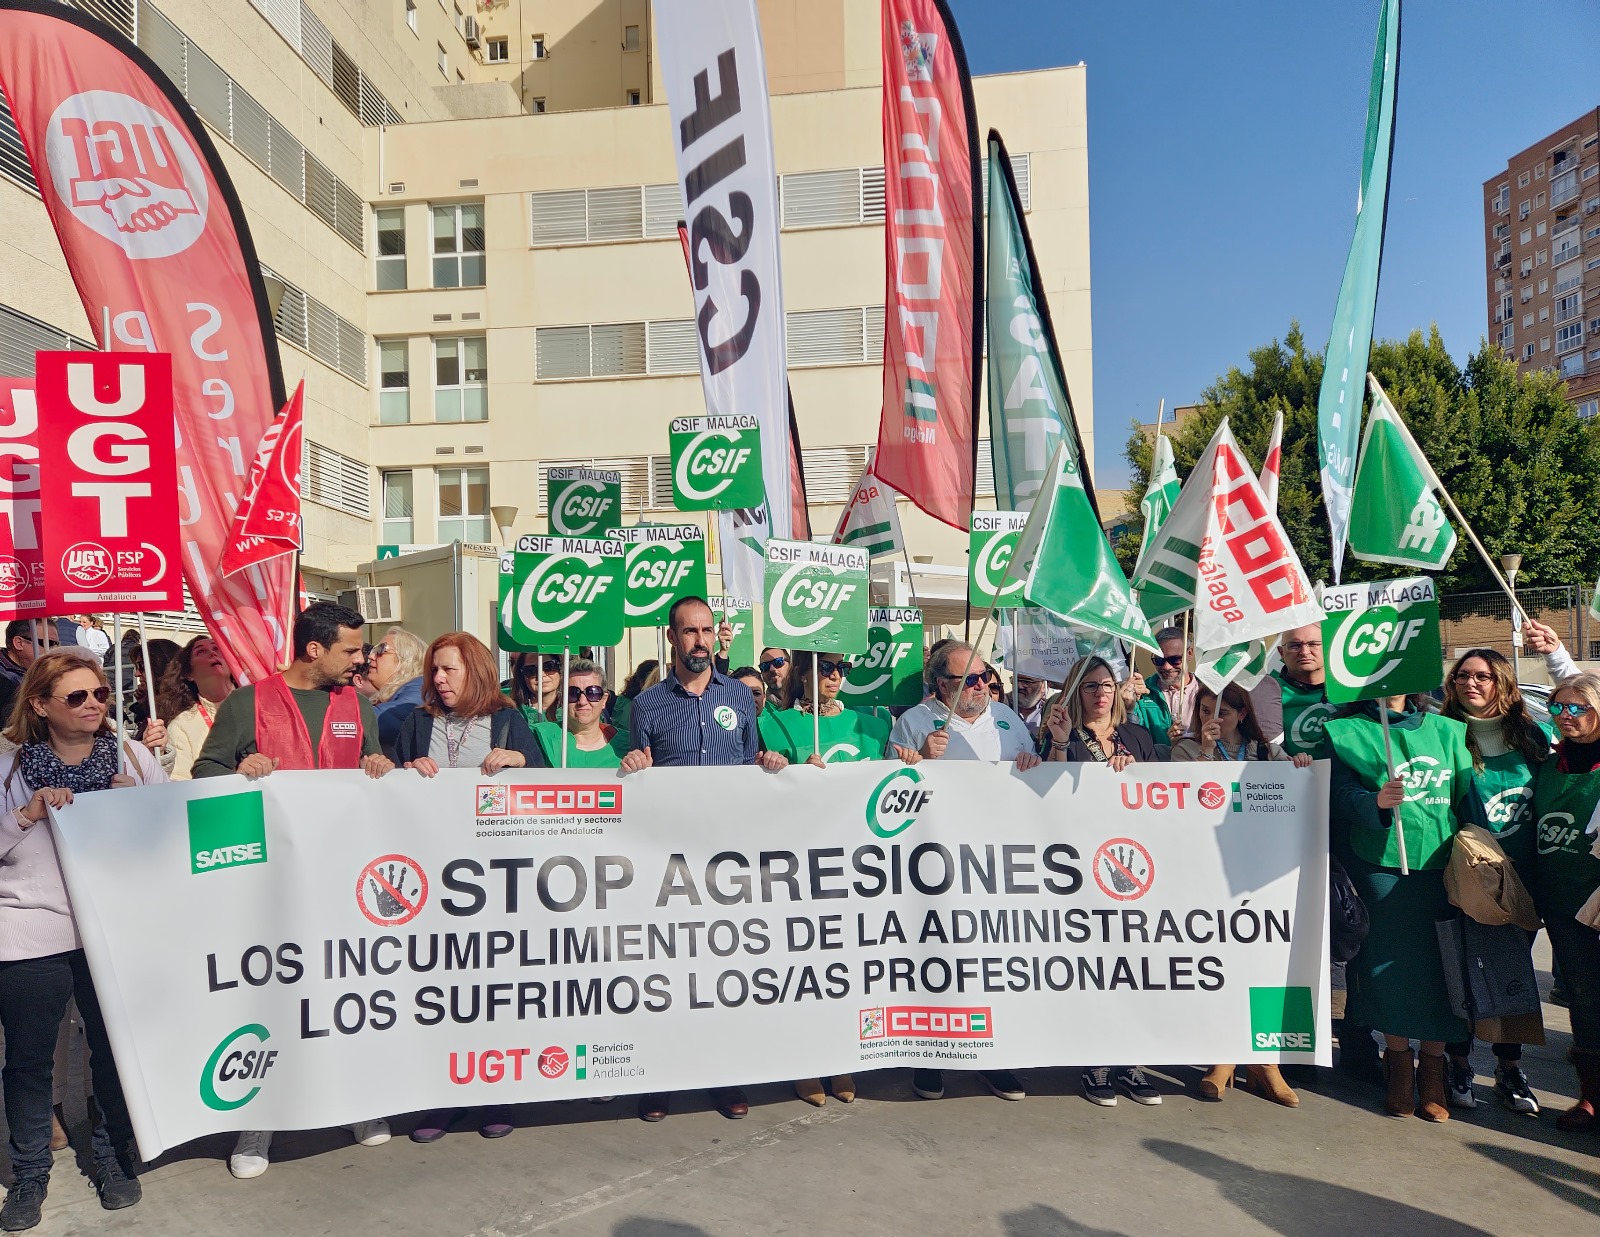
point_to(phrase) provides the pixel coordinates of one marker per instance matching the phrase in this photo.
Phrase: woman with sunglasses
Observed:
(66, 747)
(590, 743)
(1396, 983)
(536, 685)
(1508, 747)
(814, 706)
(1565, 873)
(465, 722)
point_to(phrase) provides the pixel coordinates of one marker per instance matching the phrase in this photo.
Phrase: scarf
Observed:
(41, 767)
(1087, 737)
(1577, 757)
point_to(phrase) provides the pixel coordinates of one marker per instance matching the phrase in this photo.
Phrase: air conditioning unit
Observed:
(376, 605)
(469, 31)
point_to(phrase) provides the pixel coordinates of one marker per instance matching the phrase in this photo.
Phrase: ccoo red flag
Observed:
(268, 522)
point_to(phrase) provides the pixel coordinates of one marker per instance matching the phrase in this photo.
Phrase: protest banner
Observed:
(1035, 642)
(716, 462)
(889, 673)
(991, 542)
(583, 502)
(816, 597)
(546, 935)
(664, 562)
(738, 613)
(21, 510)
(568, 592)
(108, 478)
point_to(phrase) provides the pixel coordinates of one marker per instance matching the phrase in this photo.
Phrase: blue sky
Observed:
(1224, 146)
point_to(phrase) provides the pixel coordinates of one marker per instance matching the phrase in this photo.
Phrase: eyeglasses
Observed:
(1466, 676)
(773, 663)
(1574, 711)
(1302, 646)
(593, 694)
(827, 669)
(971, 680)
(1099, 686)
(74, 700)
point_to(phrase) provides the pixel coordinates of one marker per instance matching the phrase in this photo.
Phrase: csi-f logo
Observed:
(1509, 809)
(716, 462)
(1308, 728)
(127, 172)
(236, 1068)
(554, 585)
(1422, 774)
(896, 802)
(1558, 831)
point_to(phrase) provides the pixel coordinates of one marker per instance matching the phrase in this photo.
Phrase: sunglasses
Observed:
(594, 695)
(549, 666)
(378, 650)
(827, 669)
(971, 680)
(1557, 708)
(1174, 662)
(774, 663)
(75, 700)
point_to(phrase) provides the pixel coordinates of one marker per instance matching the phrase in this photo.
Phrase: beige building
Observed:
(471, 211)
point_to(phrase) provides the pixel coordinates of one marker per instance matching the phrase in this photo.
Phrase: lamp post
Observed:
(504, 518)
(1511, 564)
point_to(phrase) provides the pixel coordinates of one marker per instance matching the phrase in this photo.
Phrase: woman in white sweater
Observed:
(65, 748)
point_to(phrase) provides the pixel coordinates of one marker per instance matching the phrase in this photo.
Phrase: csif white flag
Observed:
(715, 75)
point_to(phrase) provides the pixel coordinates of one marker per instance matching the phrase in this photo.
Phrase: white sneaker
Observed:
(371, 1133)
(249, 1158)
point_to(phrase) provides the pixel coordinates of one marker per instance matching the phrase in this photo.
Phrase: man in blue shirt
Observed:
(695, 716)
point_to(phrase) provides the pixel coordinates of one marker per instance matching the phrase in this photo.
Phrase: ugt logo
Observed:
(87, 564)
(127, 172)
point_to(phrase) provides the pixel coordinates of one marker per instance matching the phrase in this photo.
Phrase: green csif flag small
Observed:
(1395, 515)
(1161, 494)
(1070, 568)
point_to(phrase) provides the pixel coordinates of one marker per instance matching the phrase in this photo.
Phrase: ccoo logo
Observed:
(127, 172)
(896, 802)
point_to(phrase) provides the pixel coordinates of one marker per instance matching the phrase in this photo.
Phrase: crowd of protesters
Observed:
(407, 707)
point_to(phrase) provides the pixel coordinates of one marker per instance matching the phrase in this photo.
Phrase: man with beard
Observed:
(695, 716)
(1030, 701)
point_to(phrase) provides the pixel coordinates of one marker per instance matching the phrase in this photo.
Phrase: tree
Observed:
(1509, 447)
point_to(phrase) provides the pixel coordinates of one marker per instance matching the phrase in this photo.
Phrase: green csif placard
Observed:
(1381, 639)
(816, 597)
(567, 592)
(506, 601)
(890, 671)
(992, 541)
(740, 613)
(584, 502)
(716, 462)
(664, 562)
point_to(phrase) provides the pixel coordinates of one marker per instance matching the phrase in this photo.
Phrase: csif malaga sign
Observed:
(889, 673)
(716, 462)
(664, 562)
(567, 592)
(584, 502)
(1381, 639)
(816, 596)
(991, 543)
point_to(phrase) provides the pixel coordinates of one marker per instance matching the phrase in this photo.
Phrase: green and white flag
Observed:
(739, 613)
(816, 596)
(665, 562)
(1594, 602)
(583, 502)
(991, 547)
(1066, 562)
(1381, 639)
(716, 462)
(1160, 495)
(567, 591)
(872, 520)
(889, 673)
(1396, 516)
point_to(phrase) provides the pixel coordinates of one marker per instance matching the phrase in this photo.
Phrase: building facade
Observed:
(1541, 223)
(468, 213)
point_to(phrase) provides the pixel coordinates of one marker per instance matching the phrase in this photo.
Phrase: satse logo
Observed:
(227, 831)
(127, 172)
(1281, 1020)
(233, 1073)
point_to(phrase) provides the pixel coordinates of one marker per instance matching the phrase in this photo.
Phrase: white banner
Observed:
(318, 948)
(716, 80)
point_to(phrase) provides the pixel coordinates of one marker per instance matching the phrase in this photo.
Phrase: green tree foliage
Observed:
(1510, 448)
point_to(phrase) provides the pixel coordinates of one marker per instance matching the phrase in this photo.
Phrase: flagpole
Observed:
(122, 735)
(1478, 546)
(816, 706)
(149, 678)
(1388, 757)
(566, 678)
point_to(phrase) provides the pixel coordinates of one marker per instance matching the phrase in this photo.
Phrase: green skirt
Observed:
(1397, 980)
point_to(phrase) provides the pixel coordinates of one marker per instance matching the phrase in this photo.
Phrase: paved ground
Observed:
(1051, 1166)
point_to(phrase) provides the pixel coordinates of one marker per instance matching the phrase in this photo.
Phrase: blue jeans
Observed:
(33, 999)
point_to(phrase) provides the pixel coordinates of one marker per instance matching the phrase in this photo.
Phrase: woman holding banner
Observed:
(1227, 729)
(1396, 982)
(464, 722)
(813, 708)
(1565, 874)
(1508, 748)
(65, 747)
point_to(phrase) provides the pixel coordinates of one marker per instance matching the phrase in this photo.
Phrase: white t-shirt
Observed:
(95, 639)
(995, 734)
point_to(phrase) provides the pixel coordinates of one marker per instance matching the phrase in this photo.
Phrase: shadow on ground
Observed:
(1042, 1221)
(1579, 1187)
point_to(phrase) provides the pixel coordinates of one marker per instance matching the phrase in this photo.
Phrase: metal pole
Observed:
(122, 736)
(149, 678)
(816, 706)
(566, 673)
(1388, 758)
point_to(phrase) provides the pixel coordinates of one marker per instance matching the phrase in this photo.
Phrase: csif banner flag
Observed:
(21, 508)
(567, 592)
(816, 597)
(1382, 639)
(1396, 516)
(714, 70)
(1350, 345)
(1160, 495)
(268, 523)
(108, 478)
(872, 520)
(664, 564)
(157, 244)
(928, 434)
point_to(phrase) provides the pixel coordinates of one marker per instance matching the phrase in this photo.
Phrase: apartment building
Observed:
(468, 213)
(1541, 222)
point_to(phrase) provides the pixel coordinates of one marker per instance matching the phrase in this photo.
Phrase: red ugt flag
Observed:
(268, 523)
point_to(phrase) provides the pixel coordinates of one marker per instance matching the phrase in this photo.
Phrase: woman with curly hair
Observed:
(196, 681)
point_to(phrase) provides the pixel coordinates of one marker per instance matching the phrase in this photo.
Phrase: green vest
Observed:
(608, 757)
(1151, 712)
(848, 736)
(1563, 873)
(1436, 766)
(1305, 713)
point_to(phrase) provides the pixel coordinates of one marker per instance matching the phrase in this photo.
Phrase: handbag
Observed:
(1348, 919)
(1488, 971)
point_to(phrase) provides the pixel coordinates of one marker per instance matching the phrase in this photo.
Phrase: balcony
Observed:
(1503, 258)
(1570, 254)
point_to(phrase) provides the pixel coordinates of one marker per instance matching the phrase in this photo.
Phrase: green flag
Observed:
(1395, 516)
(1350, 344)
(1070, 568)
(1160, 495)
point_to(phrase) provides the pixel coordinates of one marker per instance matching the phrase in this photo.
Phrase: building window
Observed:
(630, 38)
(1569, 337)
(461, 379)
(444, 61)
(391, 224)
(536, 50)
(1572, 366)
(1522, 210)
(1544, 343)
(1570, 306)
(398, 527)
(538, 107)
(1589, 409)
(1527, 352)
(1524, 237)
(1538, 171)
(394, 382)
(1538, 201)
(1522, 181)
(633, 98)
(411, 15)
(499, 50)
(458, 245)
(1527, 293)
(457, 18)
(1501, 231)
(463, 504)
(1590, 172)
